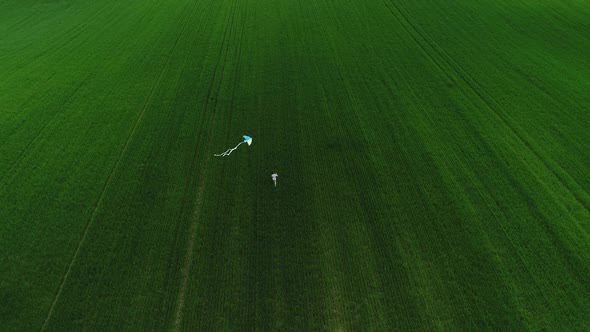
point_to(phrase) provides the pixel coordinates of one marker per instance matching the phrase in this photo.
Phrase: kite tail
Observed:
(228, 151)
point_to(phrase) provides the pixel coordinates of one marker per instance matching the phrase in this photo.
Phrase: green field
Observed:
(433, 161)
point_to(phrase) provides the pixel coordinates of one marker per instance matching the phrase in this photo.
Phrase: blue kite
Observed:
(247, 139)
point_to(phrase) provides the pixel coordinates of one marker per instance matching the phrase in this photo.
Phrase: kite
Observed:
(247, 139)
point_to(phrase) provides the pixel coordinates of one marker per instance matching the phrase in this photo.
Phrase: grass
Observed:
(432, 165)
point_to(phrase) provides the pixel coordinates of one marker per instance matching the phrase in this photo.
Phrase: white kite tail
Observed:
(228, 151)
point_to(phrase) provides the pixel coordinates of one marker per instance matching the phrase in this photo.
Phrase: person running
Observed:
(274, 178)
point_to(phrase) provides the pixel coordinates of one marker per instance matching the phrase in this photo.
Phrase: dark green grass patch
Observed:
(432, 165)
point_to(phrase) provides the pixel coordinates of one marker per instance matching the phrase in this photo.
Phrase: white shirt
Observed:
(274, 176)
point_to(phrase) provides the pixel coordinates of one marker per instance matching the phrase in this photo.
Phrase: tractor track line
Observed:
(489, 104)
(59, 41)
(107, 182)
(60, 110)
(44, 127)
(449, 76)
(193, 229)
(481, 93)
